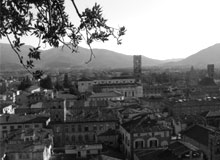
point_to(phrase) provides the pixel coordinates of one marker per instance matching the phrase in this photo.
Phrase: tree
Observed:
(48, 21)
(46, 83)
(3, 87)
(66, 83)
(24, 84)
(57, 86)
(74, 90)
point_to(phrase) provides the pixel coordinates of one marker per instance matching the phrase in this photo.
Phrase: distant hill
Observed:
(63, 58)
(8, 59)
(210, 55)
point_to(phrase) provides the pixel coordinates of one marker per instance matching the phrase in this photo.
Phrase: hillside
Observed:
(210, 55)
(64, 58)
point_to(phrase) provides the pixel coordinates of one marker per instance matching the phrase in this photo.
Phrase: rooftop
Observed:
(142, 123)
(91, 115)
(213, 114)
(198, 133)
(175, 150)
(106, 94)
(109, 132)
(84, 79)
(66, 96)
(14, 118)
(31, 88)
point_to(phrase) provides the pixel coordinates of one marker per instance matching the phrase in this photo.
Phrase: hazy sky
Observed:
(159, 29)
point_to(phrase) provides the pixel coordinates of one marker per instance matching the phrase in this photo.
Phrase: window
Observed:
(79, 154)
(73, 128)
(86, 137)
(26, 126)
(94, 128)
(67, 138)
(139, 144)
(88, 151)
(36, 125)
(19, 126)
(79, 128)
(66, 129)
(73, 138)
(86, 129)
(4, 127)
(94, 137)
(27, 156)
(80, 138)
(12, 128)
(20, 155)
(101, 127)
(132, 93)
(153, 143)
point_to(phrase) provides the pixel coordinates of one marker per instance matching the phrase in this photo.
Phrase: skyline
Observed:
(157, 29)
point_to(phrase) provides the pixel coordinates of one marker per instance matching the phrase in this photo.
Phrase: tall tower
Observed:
(210, 70)
(137, 67)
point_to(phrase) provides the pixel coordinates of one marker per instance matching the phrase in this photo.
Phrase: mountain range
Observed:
(64, 58)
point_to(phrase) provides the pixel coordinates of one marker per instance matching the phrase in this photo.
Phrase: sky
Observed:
(158, 29)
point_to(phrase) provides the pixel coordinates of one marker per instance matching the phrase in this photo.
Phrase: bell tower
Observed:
(210, 70)
(137, 67)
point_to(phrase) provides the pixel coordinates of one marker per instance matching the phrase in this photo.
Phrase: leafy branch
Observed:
(48, 21)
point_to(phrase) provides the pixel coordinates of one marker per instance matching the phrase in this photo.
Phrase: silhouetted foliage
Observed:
(73, 90)
(48, 21)
(3, 88)
(46, 83)
(24, 84)
(58, 86)
(66, 83)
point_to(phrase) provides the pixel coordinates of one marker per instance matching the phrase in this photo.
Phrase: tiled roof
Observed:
(88, 115)
(18, 134)
(41, 136)
(179, 148)
(106, 94)
(3, 105)
(150, 154)
(14, 118)
(207, 82)
(109, 132)
(123, 77)
(198, 133)
(84, 79)
(32, 88)
(213, 114)
(142, 123)
(174, 151)
(66, 96)
(117, 85)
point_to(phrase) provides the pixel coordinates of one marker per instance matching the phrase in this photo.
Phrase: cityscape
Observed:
(113, 114)
(100, 80)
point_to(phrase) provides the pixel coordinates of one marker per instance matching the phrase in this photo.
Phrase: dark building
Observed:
(210, 70)
(137, 67)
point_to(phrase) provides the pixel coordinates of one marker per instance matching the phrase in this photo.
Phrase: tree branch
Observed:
(19, 57)
(77, 11)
